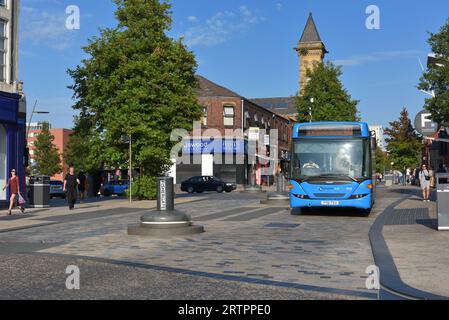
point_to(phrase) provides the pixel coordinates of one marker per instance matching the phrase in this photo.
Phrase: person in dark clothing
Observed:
(82, 186)
(71, 184)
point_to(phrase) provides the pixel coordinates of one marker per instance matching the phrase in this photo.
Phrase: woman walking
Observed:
(14, 190)
(424, 179)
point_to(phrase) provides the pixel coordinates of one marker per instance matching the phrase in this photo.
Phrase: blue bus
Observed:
(332, 166)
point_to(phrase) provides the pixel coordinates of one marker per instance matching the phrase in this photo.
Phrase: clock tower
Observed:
(310, 51)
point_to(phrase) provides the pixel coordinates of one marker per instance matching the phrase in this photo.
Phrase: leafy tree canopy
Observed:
(331, 101)
(137, 81)
(437, 77)
(403, 143)
(46, 154)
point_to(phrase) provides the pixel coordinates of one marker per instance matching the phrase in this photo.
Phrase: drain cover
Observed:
(282, 226)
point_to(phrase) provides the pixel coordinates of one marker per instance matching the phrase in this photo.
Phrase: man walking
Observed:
(71, 183)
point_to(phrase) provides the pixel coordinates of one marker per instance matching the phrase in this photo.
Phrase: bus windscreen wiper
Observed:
(338, 175)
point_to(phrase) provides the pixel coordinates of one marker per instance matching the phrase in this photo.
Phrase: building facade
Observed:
(62, 137)
(12, 100)
(227, 114)
(379, 130)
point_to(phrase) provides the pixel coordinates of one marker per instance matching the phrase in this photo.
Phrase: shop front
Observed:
(224, 159)
(12, 141)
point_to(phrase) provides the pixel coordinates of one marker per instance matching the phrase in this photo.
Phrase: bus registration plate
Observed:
(330, 203)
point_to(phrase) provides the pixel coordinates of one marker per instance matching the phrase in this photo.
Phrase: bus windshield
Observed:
(331, 158)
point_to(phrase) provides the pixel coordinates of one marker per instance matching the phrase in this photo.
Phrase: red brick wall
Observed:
(62, 136)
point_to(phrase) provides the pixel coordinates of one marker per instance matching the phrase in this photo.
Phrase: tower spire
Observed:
(310, 49)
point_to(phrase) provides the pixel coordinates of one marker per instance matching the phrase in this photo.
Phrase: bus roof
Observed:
(331, 130)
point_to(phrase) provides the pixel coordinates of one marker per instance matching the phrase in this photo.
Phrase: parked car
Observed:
(117, 187)
(57, 189)
(205, 183)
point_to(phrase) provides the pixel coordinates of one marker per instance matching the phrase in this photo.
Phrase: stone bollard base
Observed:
(138, 230)
(164, 224)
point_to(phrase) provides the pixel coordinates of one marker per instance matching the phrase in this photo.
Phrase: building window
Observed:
(3, 158)
(229, 116)
(204, 116)
(3, 3)
(3, 41)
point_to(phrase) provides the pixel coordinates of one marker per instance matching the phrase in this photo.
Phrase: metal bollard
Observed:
(165, 194)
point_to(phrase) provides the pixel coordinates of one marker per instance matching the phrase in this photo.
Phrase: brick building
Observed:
(62, 137)
(224, 110)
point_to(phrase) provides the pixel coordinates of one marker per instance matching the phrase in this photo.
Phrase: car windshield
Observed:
(330, 158)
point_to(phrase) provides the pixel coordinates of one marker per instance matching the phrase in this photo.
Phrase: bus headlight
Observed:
(301, 196)
(359, 196)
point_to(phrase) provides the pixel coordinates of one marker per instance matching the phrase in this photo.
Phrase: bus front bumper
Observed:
(364, 203)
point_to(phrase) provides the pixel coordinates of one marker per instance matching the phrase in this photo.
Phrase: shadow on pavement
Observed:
(329, 212)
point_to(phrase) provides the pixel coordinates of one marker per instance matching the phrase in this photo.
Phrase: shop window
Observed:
(3, 173)
(229, 116)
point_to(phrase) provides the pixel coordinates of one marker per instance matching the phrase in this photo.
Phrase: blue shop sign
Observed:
(214, 146)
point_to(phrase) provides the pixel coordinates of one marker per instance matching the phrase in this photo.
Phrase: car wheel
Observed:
(219, 189)
(107, 193)
(190, 190)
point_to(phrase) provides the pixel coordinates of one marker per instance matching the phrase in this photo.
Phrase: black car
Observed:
(201, 184)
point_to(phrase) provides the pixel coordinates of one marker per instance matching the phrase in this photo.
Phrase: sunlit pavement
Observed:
(249, 251)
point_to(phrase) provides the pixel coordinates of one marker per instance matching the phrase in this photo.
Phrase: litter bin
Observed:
(389, 178)
(443, 201)
(39, 193)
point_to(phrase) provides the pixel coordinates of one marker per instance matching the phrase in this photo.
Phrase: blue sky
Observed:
(247, 46)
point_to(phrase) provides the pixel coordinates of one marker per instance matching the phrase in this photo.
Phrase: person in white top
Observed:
(424, 179)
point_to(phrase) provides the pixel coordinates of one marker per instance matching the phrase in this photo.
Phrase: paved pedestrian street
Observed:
(312, 256)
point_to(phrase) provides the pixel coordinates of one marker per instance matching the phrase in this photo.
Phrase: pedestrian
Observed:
(71, 183)
(14, 190)
(409, 176)
(82, 186)
(424, 179)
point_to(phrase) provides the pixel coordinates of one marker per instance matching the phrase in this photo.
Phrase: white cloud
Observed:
(41, 27)
(222, 27)
(192, 19)
(279, 6)
(376, 56)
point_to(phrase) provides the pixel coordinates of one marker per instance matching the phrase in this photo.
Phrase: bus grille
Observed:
(330, 195)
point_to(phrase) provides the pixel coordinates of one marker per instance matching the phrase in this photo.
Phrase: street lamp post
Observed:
(31, 116)
(128, 139)
(312, 100)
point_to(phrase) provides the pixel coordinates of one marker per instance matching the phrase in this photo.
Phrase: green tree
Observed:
(382, 161)
(403, 145)
(437, 77)
(331, 101)
(46, 154)
(136, 80)
(82, 148)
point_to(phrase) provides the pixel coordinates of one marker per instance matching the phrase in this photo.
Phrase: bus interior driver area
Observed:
(332, 166)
